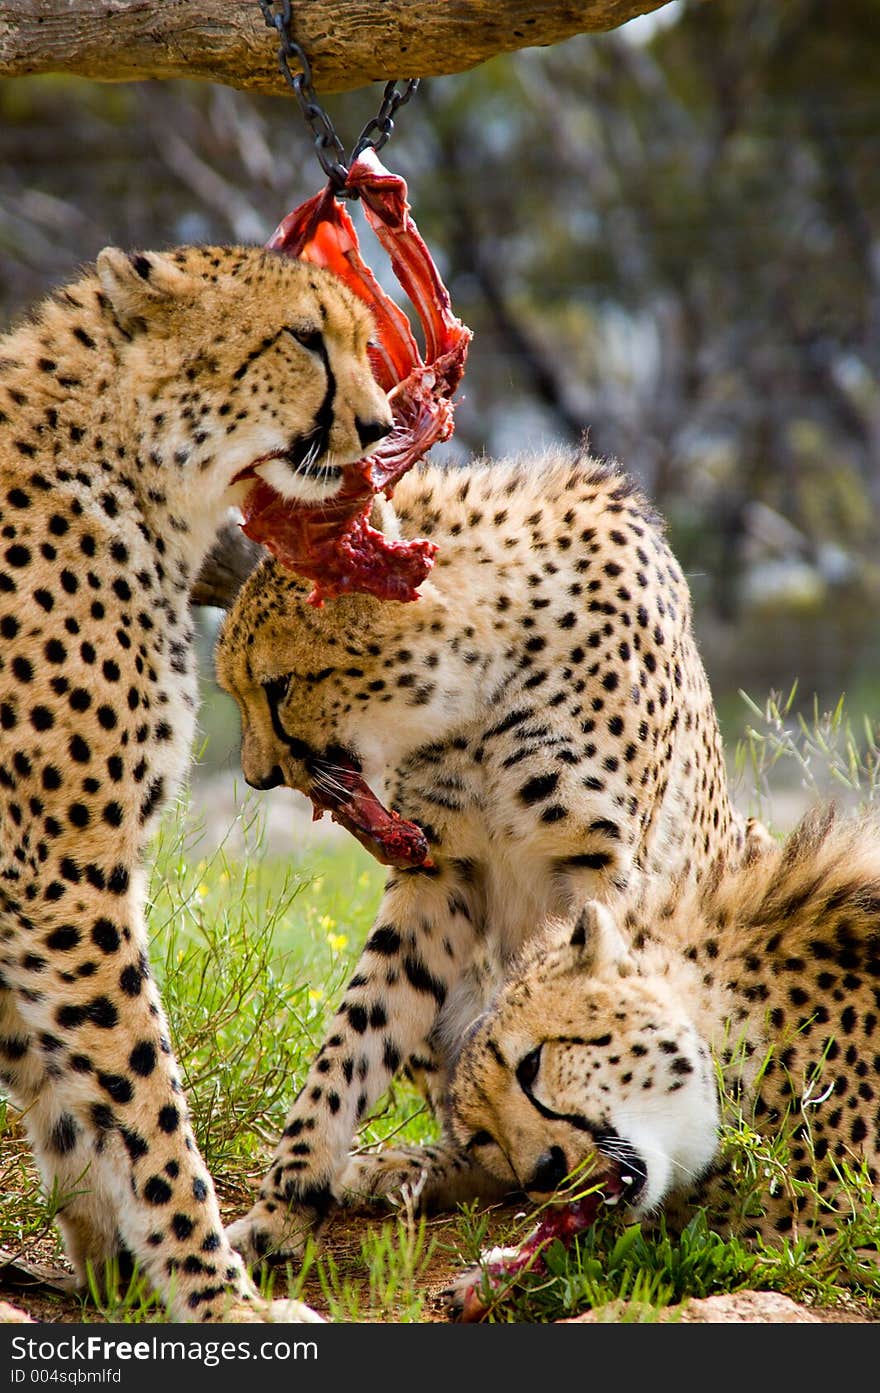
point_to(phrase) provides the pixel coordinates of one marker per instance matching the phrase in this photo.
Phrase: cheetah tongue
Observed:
(339, 789)
(334, 545)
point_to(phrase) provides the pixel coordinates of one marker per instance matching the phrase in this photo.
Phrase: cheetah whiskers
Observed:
(306, 464)
(328, 468)
(623, 1156)
(326, 782)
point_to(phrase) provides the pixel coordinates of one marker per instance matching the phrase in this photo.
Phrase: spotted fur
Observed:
(541, 711)
(129, 404)
(754, 996)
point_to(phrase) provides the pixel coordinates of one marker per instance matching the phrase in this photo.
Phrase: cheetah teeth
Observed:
(625, 1180)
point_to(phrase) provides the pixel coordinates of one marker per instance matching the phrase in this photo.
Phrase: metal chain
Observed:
(328, 147)
(383, 122)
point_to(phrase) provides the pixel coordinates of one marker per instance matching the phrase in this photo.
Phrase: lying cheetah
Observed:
(131, 405)
(630, 1038)
(541, 712)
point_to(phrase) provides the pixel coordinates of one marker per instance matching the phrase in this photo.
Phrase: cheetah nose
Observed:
(550, 1171)
(371, 431)
(274, 779)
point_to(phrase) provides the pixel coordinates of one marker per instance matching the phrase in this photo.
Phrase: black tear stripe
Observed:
(323, 422)
(606, 1139)
(275, 693)
(581, 1124)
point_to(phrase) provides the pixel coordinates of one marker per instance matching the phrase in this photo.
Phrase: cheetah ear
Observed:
(598, 940)
(138, 284)
(226, 568)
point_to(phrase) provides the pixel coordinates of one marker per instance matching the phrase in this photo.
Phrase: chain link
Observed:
(328, 147)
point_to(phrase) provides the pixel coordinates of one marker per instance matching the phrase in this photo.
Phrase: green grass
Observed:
(385, 1276)
(635, 1271)
(252, 952)
(825, 755)
(252, 955)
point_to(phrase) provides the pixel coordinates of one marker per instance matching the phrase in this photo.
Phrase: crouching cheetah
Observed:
(131, 406)
(541, 712)
(626, 1041)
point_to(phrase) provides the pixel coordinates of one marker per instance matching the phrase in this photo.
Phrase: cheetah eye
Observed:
(312, 339)
(481, 1139)
(276, 688)
(527, 1069)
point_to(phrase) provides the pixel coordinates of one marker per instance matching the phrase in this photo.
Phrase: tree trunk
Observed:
(349, 44)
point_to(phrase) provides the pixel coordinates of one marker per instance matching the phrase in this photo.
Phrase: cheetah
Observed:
(136, 407)
(628, 1040)
(541, 712)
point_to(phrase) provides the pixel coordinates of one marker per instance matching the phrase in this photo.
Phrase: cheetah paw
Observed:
(376, 1179)
(264, 1239)
(278, 1312)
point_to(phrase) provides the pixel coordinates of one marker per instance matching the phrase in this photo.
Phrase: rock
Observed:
(747, 1307)
(740, 1307)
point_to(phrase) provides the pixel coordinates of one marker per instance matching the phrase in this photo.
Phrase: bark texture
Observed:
(349, 44)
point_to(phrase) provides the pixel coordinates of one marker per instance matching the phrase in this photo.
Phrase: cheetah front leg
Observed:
(70, 1168)
(420, 944)
(106, 1111)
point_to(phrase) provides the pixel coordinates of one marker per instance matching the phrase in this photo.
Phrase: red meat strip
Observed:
(338, 788)
(333, 543)
(471, 1298)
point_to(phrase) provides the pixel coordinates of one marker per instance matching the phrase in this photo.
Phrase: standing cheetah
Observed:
(541, 712)
(136, 407)
(628, 1039)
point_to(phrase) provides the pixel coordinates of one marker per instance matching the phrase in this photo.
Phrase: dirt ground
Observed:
(343, 1240)
(42, 1302)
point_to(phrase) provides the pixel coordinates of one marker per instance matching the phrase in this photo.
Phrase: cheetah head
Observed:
(368, 680)
(244, 365)
(588, 1064)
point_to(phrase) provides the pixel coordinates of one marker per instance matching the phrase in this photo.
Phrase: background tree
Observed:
(666, 236)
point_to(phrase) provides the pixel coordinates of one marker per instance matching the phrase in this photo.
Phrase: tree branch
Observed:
(349, 45)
